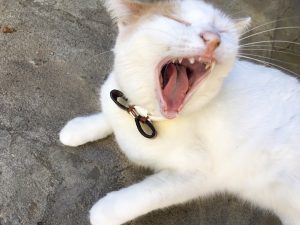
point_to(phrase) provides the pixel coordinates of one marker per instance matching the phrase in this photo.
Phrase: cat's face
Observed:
(171, 58)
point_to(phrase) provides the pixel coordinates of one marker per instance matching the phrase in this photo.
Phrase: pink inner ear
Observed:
(242, 24)
(125, 9)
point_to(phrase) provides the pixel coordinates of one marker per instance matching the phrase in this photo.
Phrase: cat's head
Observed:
(171, 57)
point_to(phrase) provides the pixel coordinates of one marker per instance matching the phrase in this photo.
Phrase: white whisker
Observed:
(264, 57)
(270, 50)
(268, 47)
(270, 64)
(271, 41)
(265, 31)
(268, 23)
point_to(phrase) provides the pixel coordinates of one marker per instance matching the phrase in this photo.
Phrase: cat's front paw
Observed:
(85, 129)
(73, 134)
(101, 213)
(98, 218)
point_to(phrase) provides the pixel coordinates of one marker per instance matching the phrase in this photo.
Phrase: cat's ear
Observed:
(242, 24)
(125, 11)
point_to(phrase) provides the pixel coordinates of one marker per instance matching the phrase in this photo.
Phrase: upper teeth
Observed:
(192, 60)
(207, 66)
(213, 65)
(208, 63)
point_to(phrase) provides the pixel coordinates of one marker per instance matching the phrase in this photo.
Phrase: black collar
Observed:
(143, 124)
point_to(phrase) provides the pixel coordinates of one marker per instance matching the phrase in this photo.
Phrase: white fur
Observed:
(237, 134)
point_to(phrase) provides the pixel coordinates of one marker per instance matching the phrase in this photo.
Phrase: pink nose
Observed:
(212, 40)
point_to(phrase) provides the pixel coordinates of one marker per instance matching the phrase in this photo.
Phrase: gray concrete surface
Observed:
(50, 71)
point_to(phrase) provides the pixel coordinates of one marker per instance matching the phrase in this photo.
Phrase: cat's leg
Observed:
(290, 220)
(286, 203)
(157, 191)
(81, 130)
(290, 216)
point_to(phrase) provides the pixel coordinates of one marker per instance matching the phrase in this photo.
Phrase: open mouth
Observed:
(178, 79)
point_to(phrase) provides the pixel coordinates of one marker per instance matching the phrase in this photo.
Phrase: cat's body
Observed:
(238, 134)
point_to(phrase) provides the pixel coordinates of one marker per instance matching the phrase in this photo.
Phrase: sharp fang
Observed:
(207, 66)
(192, 60)
(213, 66)
(173, 60)
(180, 60)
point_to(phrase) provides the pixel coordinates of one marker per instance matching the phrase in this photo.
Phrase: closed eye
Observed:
(222, 31)
(178, 20)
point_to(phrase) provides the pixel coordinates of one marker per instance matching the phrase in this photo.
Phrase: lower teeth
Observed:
(207, 66)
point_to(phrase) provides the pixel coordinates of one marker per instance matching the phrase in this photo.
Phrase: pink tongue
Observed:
(176, 88)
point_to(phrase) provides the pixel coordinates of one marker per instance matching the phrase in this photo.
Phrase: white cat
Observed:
(223, 125)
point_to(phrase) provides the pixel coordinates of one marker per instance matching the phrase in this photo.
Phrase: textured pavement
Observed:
(50, 71)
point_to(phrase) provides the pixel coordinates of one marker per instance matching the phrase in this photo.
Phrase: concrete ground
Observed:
(50, 71)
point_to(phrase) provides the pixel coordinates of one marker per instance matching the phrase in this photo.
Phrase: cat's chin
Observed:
(178, 78)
